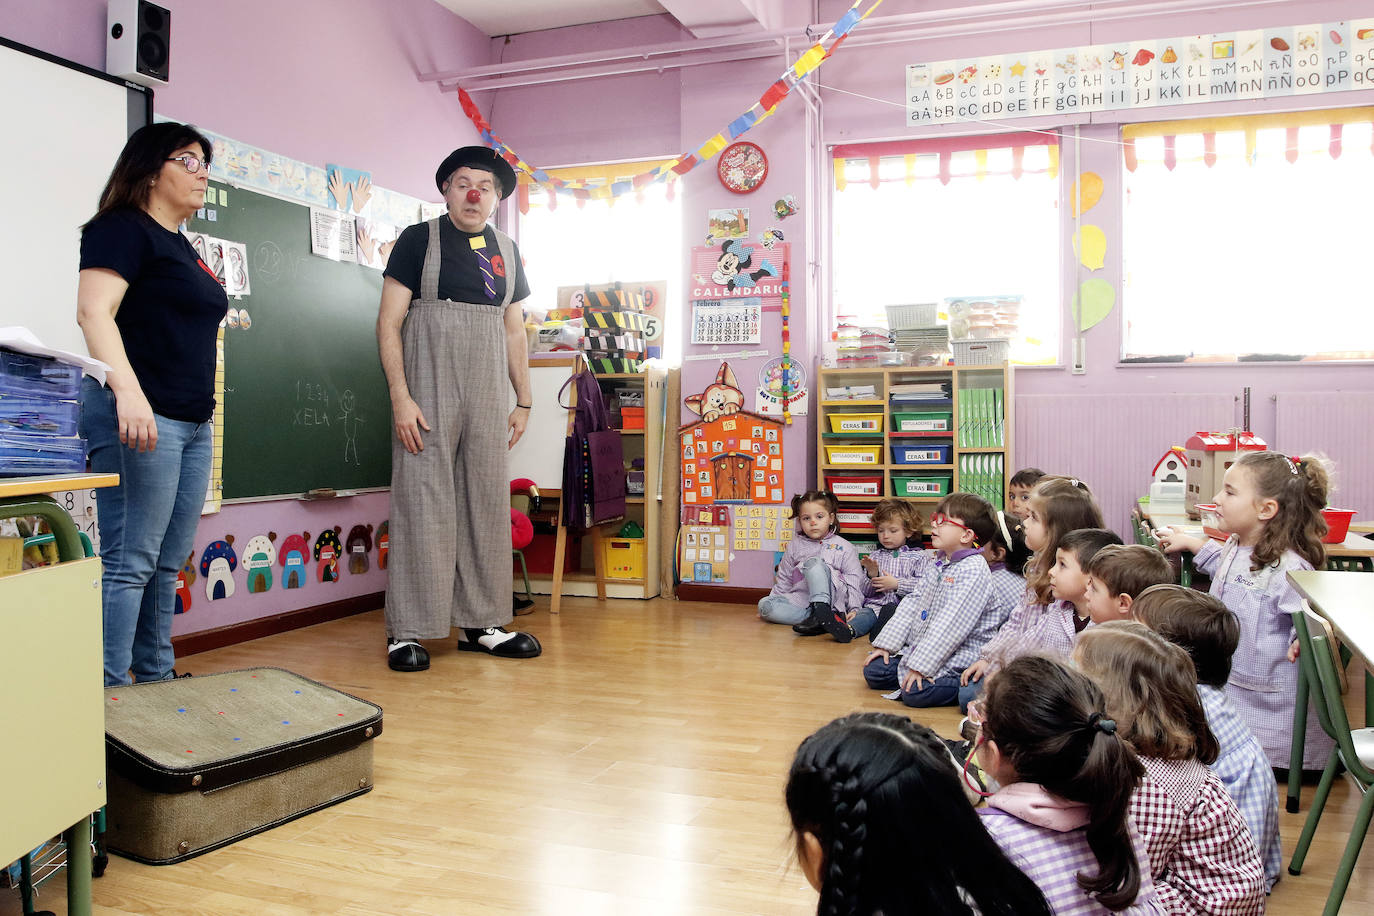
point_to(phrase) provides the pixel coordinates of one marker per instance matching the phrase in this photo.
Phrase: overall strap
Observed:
(429, 273)
(507, 249)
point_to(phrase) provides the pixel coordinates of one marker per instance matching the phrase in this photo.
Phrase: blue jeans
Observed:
(940, 691)
(147, 529)
(969, 693)
(779, 609)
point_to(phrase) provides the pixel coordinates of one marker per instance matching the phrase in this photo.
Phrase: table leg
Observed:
(78, 839)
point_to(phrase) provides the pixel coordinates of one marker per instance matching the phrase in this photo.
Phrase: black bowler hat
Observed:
(477, 157)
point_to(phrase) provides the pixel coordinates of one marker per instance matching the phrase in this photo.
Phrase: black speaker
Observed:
(138, 43)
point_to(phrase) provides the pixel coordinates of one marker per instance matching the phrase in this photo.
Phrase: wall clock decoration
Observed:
(742, 167)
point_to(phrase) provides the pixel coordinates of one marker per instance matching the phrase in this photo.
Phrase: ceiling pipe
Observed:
(876, 33)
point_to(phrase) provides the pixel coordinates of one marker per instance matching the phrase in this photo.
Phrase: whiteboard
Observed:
(539, 453)
(64, 126)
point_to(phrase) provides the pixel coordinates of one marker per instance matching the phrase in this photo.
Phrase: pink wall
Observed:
(711, 96)
(314, 80)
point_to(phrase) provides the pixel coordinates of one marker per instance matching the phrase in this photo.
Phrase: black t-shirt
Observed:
(459, 277)
(170, 315)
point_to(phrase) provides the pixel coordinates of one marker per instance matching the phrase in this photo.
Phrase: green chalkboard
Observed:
(306, 404)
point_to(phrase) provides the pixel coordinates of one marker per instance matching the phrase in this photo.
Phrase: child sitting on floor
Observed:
(1120, 572)
(863, 794)
(1209, 633)
(1201, 852)
(1019, 490)
(1063, 810)
(941, 626)
(819, 578)
(1058, 505)
(893, 569)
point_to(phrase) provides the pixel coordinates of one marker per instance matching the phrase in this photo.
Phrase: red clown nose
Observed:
(474, 196)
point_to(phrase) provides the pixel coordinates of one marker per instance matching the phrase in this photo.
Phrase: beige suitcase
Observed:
(197, 763)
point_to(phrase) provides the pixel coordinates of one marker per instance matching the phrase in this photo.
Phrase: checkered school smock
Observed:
(1201, 854)
(1264, 683)
(1244, 771)
(450, 556)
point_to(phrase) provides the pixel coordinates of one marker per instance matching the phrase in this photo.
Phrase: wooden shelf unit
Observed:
(644, 443)
(962, 378)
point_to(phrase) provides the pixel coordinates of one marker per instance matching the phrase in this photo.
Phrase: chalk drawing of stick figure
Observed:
(350, 423)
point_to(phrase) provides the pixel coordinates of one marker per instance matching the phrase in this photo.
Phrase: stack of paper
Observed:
(920, 393)
(851, 393)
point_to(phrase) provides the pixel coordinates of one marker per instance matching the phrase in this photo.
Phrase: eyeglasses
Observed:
(938, 519)
(192, 163)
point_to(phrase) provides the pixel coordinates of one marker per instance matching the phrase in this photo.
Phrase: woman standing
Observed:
(150, 308)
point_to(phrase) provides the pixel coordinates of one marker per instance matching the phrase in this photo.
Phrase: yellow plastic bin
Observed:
(624, 557)
(854, 454)
(856, 422)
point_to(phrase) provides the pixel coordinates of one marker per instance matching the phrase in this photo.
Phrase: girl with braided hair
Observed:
(1063, 810)
(883, 828)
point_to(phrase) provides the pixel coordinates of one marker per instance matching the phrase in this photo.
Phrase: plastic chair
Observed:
(1354, 749)
(521, 528)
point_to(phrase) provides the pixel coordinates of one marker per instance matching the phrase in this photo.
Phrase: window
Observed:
(1248, 237)
(927, 221)
(634, 237)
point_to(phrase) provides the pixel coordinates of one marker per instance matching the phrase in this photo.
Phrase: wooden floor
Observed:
(637, 767)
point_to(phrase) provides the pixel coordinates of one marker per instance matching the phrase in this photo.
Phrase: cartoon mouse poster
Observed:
(734, 263)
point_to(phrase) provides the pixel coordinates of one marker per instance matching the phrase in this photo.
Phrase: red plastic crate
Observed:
(855, 485)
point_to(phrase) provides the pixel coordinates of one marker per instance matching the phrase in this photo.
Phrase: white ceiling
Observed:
(510, 17)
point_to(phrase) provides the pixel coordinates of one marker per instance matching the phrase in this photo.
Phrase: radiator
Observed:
(1336, 424)
(1112, 442)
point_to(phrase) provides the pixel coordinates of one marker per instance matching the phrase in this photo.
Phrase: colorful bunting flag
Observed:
(812, 58)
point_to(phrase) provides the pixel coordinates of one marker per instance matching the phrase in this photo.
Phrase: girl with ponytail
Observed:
(883, 828)
(1270, 506)
(1203, 857)
(1063, 810)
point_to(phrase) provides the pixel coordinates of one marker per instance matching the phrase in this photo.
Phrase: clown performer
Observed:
(451, 335)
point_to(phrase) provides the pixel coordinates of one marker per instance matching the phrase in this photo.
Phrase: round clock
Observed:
(742, 167)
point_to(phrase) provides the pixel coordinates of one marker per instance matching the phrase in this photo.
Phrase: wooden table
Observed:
(52, 678)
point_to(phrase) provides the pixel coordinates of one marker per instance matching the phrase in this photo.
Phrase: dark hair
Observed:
(1198, 622)
(1016, 553)
(1063, 504)
(1026, 477)
(900, 511)
(974, 511)
(825, 498)
(1151, 690)
(1299, 486)
(882, 796)
(1047, 720)
(1129, 569)
(141, 160)
(1084, 543)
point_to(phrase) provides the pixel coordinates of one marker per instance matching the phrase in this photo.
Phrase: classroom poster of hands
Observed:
(347, 230)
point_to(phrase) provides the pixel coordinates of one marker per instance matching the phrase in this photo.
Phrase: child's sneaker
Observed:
(835, 622)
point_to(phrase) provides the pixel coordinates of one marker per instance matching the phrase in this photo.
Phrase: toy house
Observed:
(1169, 484)
(1208, 456)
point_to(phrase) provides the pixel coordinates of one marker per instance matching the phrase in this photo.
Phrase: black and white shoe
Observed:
(406, 655)
(499, 642)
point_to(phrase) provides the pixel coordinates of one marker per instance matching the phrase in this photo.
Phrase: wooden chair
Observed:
(1354, 749)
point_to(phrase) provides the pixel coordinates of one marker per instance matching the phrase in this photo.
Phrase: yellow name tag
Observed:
(478, 242)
